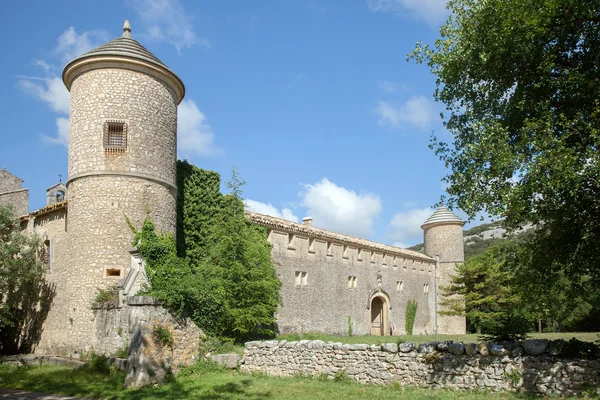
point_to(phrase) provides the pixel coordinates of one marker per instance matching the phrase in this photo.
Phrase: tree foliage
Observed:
(484, 289)
(226, 282)
(242, 255)
(520, 80)
(25, 295)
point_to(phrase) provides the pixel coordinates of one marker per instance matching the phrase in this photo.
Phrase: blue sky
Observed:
(313, 101)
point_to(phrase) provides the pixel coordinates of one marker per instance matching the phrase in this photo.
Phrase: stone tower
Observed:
(443, 240)
(122, 160)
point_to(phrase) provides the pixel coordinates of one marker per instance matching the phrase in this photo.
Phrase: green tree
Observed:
(520, 80)
(25, 295)
(226, 282)
(242, 256)
(188, 290)
(484, 289)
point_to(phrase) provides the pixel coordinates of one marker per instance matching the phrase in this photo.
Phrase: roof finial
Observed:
(126, 29)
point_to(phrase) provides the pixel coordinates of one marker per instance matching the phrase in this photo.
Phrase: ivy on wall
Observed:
(219, 271)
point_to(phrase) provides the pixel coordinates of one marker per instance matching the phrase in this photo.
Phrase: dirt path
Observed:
(9, 394)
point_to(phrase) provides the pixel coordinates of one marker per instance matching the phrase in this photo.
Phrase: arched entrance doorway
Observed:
(378, 316)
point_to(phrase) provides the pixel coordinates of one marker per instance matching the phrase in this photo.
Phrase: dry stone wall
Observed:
(533, 367)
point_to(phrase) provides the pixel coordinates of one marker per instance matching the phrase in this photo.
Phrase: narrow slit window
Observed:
(400, 286)
(46, 254)
(426, 289)
(352, 282)
(304, 279)
(311, 245)
(115, 136)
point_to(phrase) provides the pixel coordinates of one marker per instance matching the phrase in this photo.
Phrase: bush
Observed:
(162, 335)
(106, 298)
(411, 313)
(98, 363)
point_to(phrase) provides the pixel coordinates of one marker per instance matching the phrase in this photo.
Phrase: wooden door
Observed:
(377, 317)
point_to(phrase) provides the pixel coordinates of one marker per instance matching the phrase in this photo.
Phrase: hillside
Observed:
(479, 238)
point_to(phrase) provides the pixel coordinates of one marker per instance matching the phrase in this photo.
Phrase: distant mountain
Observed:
(479, 238)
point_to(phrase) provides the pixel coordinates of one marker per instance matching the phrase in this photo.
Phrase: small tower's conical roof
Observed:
(123, 47)
(442, 216)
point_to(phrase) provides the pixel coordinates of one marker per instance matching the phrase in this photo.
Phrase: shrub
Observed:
(411, 313)
(98, 363)
(163, 336)
(106, 298)
(122, 352)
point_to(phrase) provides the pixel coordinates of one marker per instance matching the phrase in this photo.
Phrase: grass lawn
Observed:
(204, 381)
(418, 339)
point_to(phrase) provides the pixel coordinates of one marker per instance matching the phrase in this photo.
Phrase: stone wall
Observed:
(133, 326)
(19, 199)
(50, 224)
(534, 367)
(327, 278)
(11, 193)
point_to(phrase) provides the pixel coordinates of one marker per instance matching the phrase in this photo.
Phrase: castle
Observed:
(122, 160)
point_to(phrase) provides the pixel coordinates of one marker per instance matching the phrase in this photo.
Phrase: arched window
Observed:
(60, 196)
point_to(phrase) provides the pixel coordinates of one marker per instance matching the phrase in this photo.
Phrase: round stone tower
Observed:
(122, 161)
(443, 240)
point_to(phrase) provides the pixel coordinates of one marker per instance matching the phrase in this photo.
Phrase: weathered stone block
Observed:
(456, 348)
(230, 360)
(497, 350)
(471, 348)
(406, 347)
(535, 346)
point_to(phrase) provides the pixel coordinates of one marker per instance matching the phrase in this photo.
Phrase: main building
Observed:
(122, 161)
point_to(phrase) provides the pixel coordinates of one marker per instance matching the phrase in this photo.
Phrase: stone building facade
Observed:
(338, 283)
(12, 193)
(122, 162)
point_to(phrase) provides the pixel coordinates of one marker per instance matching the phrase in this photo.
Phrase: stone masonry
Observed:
(529, 368)
(12, 193)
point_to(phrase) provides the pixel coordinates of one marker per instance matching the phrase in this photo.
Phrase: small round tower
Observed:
(443, 240)
(122, 161)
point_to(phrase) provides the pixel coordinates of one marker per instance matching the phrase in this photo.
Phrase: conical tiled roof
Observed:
(123, 52)
(124, 47)
(443, 216)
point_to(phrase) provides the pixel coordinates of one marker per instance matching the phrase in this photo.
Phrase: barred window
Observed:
(115, 136)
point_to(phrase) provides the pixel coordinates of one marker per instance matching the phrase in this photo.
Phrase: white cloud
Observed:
(433, 12)
(269, 209)
(51, 91)
(195, 136)
(416, 111)
(62, 137)
(166, 20)
(339, 209)
(70, 44)
(389, 86)
(48, 68)
(405, 227)
(317, 8)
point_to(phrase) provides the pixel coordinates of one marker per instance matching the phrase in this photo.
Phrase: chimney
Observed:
(307, 221)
